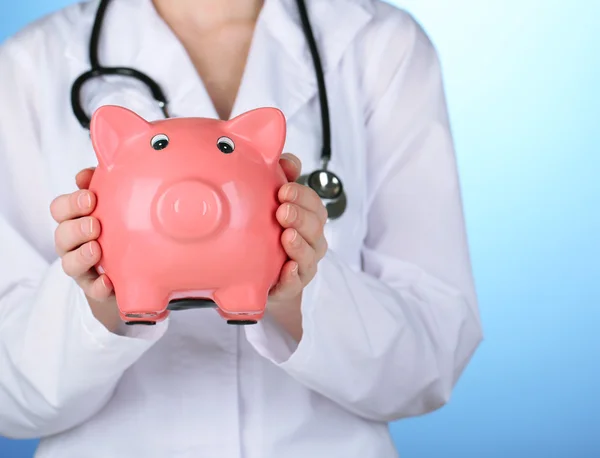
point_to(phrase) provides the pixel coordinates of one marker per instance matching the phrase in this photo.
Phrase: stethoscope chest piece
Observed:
(329, 188)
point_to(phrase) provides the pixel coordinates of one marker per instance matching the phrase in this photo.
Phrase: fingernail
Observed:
(290, 215)
(89, 251)
(291, 194)
(295, 239)
(295, 269)
(87, 226)
(84, 200)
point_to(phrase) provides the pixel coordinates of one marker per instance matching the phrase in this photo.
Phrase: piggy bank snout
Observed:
(189, 210)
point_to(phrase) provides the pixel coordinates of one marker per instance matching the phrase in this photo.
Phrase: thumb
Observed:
(291, 165)
(84, 177)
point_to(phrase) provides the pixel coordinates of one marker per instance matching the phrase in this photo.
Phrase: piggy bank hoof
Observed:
(241, 322)
(147, 323)
(190, 303)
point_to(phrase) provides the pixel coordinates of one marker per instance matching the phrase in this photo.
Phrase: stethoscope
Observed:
(325, 183)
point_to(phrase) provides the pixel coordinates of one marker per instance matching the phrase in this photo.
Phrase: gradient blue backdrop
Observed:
(522, 81)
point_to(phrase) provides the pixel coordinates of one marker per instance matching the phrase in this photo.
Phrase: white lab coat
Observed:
(390, 321)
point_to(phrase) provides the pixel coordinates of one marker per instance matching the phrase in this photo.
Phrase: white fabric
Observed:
(390, 321)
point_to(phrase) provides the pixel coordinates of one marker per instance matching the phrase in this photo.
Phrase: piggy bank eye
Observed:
(159, 142)
(225, 145)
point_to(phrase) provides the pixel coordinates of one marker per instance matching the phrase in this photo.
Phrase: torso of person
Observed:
(203, 390)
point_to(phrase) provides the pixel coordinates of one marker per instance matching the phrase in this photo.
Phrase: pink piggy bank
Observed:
(187, 212)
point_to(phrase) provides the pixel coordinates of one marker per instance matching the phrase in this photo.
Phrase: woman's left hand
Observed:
(303, 217)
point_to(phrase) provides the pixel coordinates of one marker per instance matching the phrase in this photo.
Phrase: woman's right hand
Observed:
(76, 244)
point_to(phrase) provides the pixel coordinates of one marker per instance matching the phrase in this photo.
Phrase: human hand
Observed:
(303, 216)
(76, 244)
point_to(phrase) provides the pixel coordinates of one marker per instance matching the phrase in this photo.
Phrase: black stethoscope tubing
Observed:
(324, 182)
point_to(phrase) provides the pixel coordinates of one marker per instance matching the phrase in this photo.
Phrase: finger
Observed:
(306, 222)
(70, 206)
(84, 177)
(300, 251)
(72, 233)
(321, 248)
(305, 197)
(97, 287)
(77, 262)
(289, 284)
(291, 165)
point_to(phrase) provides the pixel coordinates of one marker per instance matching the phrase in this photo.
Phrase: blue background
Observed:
(522, 82)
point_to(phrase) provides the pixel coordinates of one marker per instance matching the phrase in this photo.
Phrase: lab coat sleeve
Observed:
(391, 340)
(58, 364)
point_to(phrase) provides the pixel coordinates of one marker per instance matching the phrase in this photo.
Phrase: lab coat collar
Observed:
(282, 76)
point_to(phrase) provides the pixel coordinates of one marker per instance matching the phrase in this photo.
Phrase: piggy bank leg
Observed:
(241, 304)
(140, 304)
(130, 321)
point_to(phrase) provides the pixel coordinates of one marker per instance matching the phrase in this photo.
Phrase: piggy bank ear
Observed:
(263, 127)
(110, 126)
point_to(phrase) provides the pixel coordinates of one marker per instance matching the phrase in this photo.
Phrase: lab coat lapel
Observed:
(280, 71)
